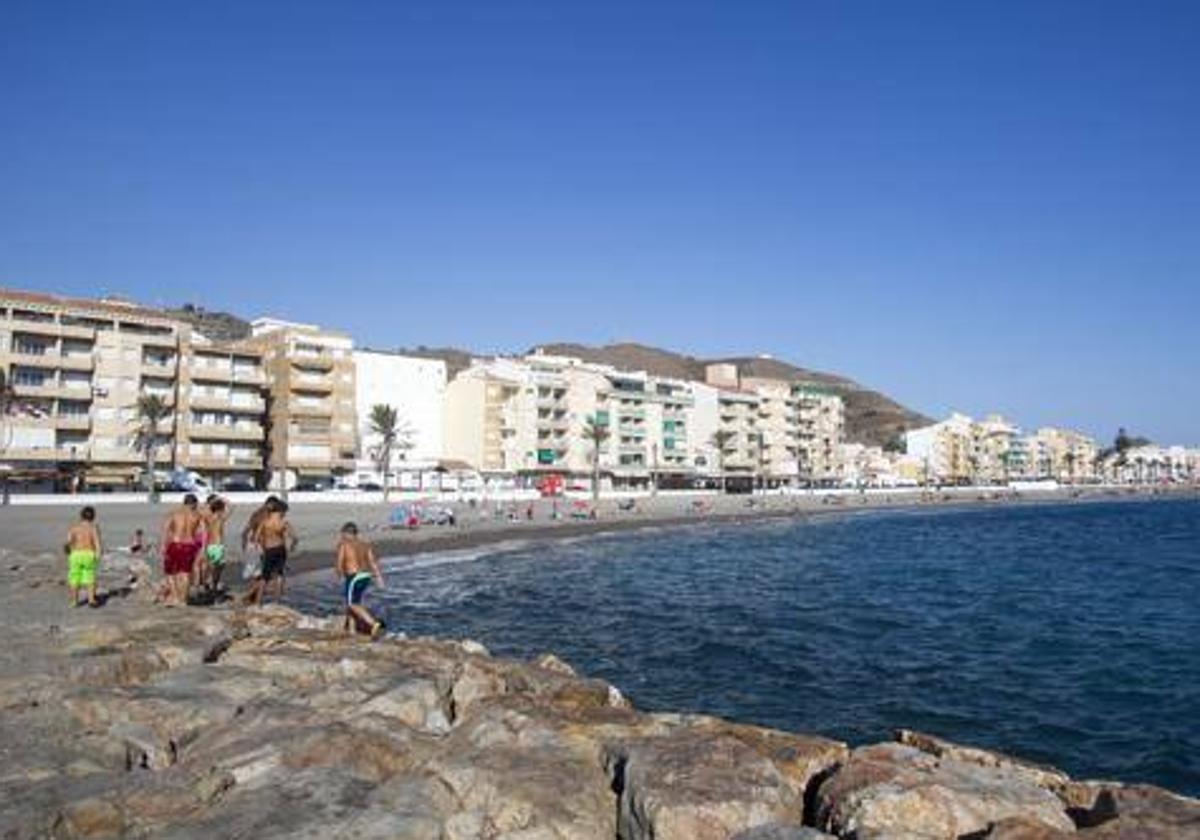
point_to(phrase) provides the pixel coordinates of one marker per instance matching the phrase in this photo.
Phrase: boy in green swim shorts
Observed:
(83, 555)
(215, 517)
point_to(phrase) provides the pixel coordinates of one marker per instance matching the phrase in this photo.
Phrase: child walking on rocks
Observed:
(83, 554)
(355, 567)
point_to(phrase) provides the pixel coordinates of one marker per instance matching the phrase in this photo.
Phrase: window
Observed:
(31, 378)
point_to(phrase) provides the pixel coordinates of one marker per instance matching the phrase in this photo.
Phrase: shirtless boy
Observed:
(215, 515)
(180, 530)
(83, 554)
(275, 538)
(355, 567)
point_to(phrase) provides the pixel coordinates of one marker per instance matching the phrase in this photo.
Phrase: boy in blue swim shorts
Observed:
(356, 567)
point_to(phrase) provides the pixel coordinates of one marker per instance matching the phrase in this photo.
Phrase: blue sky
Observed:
(969, 205)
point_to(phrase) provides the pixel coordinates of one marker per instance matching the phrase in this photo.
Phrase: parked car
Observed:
(238, 485)
(311, 486)
(371, 486)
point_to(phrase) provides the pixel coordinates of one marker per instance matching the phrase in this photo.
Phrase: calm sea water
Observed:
(1068, 634)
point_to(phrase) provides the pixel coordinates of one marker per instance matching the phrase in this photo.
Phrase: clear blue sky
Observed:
(971, 205)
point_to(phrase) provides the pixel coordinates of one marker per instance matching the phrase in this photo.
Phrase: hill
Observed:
(218, 326)
(871, 417)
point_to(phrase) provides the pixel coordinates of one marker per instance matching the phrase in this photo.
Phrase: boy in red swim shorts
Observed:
(179, 536)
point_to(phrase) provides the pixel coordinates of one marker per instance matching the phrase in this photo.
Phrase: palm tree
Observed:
(1070, 459)
(595, 432)
(720, 439)
(151, 410)
(385, 422)
(7, 399)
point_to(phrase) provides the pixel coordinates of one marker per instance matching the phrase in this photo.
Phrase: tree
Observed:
(393, 435)
(1070, 458)
(7, 400)
(721, 439)
(595, 432)
(759, 473)
(802, 467)
(151, 410)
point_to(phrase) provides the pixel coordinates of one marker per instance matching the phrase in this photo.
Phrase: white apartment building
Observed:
(416, 389)
(944, 449)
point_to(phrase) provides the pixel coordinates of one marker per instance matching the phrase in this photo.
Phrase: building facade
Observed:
(77, 368)
(311, 418)
(416, 389)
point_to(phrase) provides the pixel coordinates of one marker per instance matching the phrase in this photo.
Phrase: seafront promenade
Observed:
(139, 720)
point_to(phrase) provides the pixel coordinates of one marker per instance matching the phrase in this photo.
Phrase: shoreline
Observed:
(437, 539)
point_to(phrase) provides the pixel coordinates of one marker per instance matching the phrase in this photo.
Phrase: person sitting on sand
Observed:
(215, 515)
(180, 531)
(138, 546)
(355, 567)
(275, 538)
(83, 555)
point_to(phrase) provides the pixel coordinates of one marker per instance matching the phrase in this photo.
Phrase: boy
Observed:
(275, 538)
(355, 566)
(179, 534)
(215, 517)
(83, 553)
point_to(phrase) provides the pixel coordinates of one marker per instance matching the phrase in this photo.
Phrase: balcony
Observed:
(324, 408)
(245, 406)
(154, 339)
(309, 382)
(310, 436)
(211, 401)
(45, 453)
(74, 422)
(211, 373)
(123, 455)
(53, 360)
(50, 328)
(312, 361)
(223, 431)
(223, 462)
(50, 389)
(249, 376)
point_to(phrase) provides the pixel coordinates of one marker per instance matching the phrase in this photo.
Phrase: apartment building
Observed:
(945, 449)
(778, 430)
(821, 417)
(222, 387)
(488, 419)
(524, 418)
(1065, 455)
(77, 368)
(416, 388)
(311, 416)
(999, 453)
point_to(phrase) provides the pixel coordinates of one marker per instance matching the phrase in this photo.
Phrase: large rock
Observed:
(894, 790)
(709, 780)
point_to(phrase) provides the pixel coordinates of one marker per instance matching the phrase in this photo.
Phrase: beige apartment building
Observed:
(821, 417)
(311, 417)
(777, 428)
(521, 419)
(1066, 456)
(77, 368)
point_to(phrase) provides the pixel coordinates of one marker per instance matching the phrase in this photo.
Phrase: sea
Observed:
(1067, 634)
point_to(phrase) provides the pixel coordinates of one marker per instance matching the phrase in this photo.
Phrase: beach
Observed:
(34, 525)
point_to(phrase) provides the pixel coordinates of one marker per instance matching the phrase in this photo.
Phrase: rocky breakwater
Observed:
(136, 721)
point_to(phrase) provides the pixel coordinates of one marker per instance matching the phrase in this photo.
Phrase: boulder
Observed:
(893, 790)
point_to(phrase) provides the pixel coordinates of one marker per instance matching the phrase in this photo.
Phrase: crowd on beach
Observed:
(193, 554)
